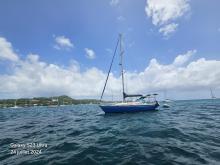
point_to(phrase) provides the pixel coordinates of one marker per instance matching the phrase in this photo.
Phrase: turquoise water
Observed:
(187, 133)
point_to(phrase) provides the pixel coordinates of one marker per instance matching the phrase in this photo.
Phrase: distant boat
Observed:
(212, 94)
(166, 102)
(15, 105)
(140, 104)
(55, 102)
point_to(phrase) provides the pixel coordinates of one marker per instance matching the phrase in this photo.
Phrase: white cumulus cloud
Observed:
(164, 12)
(34, 77)
(90, 53)
(62, 42)
(6, 51)
(182, 59)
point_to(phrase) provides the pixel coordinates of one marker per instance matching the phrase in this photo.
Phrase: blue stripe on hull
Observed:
(130, 108)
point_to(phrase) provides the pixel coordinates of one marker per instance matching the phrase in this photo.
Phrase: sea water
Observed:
(186, 133)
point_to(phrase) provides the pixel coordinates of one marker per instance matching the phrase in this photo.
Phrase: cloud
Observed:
(168, 29)
(114, 2)
(6, 51)
(33, 77)
(90, 53)
(182, 59)
(36, 78)
(163, 13)
(62, 42)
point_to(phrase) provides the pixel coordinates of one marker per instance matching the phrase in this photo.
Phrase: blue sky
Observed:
(33, 26)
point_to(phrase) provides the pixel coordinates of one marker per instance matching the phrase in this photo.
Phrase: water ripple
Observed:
(188, 133)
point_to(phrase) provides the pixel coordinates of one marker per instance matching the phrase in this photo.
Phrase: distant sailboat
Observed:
(15, 105)
(212, 94)
(127, 106)
(166, 101)
(54, 102)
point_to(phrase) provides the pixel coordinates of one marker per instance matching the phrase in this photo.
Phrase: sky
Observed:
(58, 47)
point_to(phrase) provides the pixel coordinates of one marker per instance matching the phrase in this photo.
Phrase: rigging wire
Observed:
(110, 69)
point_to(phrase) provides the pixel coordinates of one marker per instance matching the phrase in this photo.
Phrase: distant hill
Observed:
(45, 101)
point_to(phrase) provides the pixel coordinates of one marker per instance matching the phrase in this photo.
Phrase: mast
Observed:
(212, 95)
(121, 64)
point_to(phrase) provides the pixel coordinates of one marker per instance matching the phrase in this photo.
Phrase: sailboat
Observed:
(127, 106)
(166, 101)
(212, 94)
(15, 105)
